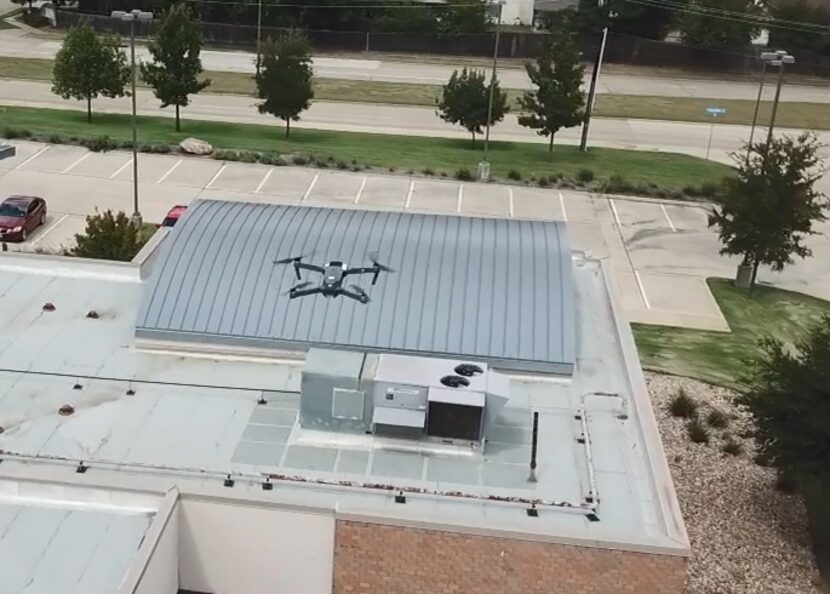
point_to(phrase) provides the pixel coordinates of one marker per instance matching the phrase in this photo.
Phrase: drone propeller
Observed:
(293, 259)
(374, 258)
(298, 287)
(360, 292)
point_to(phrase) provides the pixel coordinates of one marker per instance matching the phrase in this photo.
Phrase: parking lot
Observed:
(662, 251)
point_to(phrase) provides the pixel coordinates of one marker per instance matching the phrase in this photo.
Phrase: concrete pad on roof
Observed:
(194, 172)
(239, 177)
(683, 294)
(288, 183)
(485, 200)
(56, 159)
(434, 196)
(23, 151)
(103, 165)
(529, 203)
(335, 188)
(385, 192)
(151, 168)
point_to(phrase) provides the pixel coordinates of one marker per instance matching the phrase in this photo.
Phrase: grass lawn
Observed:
(814, 116)
(667, 170)
(719, 357)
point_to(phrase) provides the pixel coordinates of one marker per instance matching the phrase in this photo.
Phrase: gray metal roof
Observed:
(497, 290)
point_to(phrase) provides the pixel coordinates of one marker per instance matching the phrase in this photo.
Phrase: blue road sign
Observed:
(716, 111)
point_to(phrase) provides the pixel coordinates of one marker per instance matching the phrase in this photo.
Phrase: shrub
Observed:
(300, 160)
(225, 155)
(391, 169)
(271, 159)
(249, 156)
(443, 174)
(717, 419)
(320, 162)
(514, 174)
(732, 446)
(617, 184)
(691, 190)
(586, 176)
(542, 182)
(11, 133)
(99, 144)
(55, 139)
(697, 431)
(463, 174)
(682, 405)
(427, 171)
(786, 482)
(709, 189)
(109, 236)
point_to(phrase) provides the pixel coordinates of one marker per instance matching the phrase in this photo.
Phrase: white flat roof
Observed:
(141, 414)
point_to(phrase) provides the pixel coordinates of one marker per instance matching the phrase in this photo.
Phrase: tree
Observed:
(790, 38)
(720, 23)
(789, 397)
(627, 18)
(464, 100)
(109, 237)
(767, 209)
(557, 100)
(284, 80)
(174, 73)
(87, 66)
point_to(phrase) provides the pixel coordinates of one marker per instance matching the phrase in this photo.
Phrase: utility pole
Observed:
(783, 59)
(258, 36)
(132, 17)
(492, 84)
(589, 108)
(765, 57)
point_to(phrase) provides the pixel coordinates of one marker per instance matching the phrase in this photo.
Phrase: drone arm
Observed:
(304, 266)
(362, 297)
(359, 270)
(303, 292)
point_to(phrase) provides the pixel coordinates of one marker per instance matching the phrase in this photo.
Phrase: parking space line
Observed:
(409, 195)
(360, 190)
(76, 163)
(668, 218)
(642, 289)
(264, 179)
(33, 157)
(614, 212)
(562, 205)
(49, 229)
(216, 176)
(510, 201)
(310, 187)
(169, 171)
(460, 197)
(122, 168)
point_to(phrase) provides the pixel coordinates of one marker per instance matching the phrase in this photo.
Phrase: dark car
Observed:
(173, 215)
(20, 215)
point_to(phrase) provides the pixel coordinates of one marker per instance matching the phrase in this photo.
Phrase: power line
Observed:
(401, 4)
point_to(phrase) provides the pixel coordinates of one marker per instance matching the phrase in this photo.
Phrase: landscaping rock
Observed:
(194, 146)
(746, 536)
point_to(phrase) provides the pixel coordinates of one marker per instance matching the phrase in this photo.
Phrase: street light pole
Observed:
(132, 17)
(783, 59)
(589, 108)
(492, 84)
(258, 36)
(758, 102)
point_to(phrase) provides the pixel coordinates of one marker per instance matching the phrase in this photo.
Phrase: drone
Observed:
(334, 273)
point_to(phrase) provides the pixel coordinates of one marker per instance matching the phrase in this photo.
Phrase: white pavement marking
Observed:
(460, 197)
(409, 195)
(216, 176)
(642, 289)
(668, 218)
(264, 179)
(616, 216)
(562, 204)
(76, 163)
(49, 229)
(360, 190)
(122, 168)
(510, 200)
(33, 157)
(169, 171)
(310, 188)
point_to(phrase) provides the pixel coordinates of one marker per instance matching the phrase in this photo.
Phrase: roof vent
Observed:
(66, 410)
(455, 381)
(48, 306)
(92, 314)
(468, 369)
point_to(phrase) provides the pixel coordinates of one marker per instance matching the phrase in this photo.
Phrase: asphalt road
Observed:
(14, 44)
(661, 251)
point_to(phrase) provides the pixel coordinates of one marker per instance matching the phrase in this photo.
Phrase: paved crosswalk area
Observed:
(662, 251)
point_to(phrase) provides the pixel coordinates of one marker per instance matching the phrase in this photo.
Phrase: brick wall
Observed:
(382, 559)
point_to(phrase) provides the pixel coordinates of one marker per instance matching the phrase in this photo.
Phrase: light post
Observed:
(589, 108)
(782, 60)
(132, 17)
(258, 36)
(766, 58)
(484, 166)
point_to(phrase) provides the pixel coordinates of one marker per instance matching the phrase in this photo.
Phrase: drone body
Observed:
(334, 273)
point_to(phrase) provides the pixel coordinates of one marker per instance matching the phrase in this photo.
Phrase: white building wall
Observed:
(161, 575)
(234, 548)
(517, 12)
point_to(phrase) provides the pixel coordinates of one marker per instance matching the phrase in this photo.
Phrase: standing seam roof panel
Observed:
(498, 290)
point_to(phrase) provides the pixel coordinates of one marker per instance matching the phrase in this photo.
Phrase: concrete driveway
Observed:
(662, 251)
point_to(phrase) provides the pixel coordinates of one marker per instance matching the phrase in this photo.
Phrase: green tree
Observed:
(87, 66)
(790, 38)
(627, 18)
(174, 73)
(720, 23)
(765, 211)
(789, 397)
(557, 100)
(109, 236)
(284, 80)
(464, 100)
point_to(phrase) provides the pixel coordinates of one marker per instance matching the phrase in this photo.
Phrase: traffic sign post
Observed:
(714, 112)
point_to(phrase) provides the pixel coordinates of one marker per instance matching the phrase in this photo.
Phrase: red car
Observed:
(20, 215)
(173, 215)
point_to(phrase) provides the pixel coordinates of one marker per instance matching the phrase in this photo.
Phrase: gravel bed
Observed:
(746, 535)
